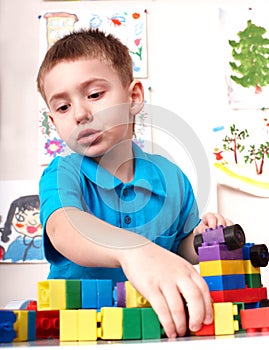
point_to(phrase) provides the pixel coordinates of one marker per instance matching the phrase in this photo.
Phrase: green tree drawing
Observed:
(231, 142)
(257, 155)
(251, 55)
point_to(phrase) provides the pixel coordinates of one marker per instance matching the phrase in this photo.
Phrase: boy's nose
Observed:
(82, 113)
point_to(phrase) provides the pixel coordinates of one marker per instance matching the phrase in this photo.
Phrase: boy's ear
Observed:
(50, 117)
(136, 92)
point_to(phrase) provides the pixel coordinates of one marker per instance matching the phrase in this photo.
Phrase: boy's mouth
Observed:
(88, 136)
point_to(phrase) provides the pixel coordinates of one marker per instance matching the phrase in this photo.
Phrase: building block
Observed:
(132, 323)
(7, 320)
(253, 280)
(110, 319)
(21, 325)
(120, 294)
(247, 295)
(87, 325)
(51, 295)
(206, 329)
(104, 293)
(150, 324)
(250, 269)
(233, 236)
(134, 298)
(225, 282)
(255, 320)
(96, 294)
(218, 252)
(240, 306)
(68, 325)
(78, 325)
(47, 324)
(31, 325)
(221, 267)
(73, 294)
(224, 321)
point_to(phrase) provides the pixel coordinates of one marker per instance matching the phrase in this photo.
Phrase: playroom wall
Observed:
(185, 73)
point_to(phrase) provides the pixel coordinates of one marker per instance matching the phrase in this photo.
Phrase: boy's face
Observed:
(89, 106)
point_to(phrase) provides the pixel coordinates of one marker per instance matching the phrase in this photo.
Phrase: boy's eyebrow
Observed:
(81, 85)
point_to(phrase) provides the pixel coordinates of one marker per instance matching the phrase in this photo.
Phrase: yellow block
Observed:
(51, 295)
(21, 325)
(133, 297)
(87, 325)
(221, 267)
(250, 269)
(68, 325)
(224, 322)
(111, 319)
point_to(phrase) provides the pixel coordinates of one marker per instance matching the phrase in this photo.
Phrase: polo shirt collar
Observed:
(147, 174)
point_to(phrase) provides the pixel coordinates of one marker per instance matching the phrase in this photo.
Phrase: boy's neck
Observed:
(119, 161)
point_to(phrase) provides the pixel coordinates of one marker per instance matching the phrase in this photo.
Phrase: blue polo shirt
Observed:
(158, 203)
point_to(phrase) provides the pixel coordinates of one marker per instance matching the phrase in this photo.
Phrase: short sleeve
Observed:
(59, 187)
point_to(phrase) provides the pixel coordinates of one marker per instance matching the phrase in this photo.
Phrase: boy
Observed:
(109, 210)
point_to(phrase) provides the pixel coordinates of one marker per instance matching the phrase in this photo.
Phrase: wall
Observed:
(185, 72)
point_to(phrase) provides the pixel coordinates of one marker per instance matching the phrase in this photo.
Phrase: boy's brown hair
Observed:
(88, 43)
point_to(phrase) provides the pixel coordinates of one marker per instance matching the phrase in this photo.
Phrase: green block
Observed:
(253, 280)
(73, 294)
(150, 324)
(131, 323)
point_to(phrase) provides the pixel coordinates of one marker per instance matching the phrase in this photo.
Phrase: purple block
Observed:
(121, 294)
(219, 252)
(213, 236)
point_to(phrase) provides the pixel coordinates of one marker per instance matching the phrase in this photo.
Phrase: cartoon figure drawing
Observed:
(23, 217)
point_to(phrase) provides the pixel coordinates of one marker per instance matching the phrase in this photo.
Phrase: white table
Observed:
(238, 341)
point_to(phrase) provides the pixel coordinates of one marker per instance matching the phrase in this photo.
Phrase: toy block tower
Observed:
(231, 269)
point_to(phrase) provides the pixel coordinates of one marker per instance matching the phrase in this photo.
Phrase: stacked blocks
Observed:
(96, 316)
(231, 269)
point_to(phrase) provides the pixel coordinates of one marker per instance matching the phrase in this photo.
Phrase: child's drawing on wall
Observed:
(22, 231)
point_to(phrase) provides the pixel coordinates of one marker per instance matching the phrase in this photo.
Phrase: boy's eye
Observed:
(63, 108)
(95, 95)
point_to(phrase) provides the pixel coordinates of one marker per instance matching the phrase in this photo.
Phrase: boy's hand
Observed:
(163, 278)
(211, 220)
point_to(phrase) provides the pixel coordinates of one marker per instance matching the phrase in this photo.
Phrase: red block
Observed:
(207, 329)
(247, 295)
(47, 324)
(255, 320)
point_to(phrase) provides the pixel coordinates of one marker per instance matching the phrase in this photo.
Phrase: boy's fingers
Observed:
(158, 303)
(176, 306)
(198, 301)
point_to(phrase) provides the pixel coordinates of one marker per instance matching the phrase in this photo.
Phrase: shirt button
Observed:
(127, 219)
(125, 191)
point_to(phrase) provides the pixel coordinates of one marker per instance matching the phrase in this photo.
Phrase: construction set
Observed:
(89, 310)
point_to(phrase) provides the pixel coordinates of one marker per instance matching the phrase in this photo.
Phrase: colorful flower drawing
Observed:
(54, 147)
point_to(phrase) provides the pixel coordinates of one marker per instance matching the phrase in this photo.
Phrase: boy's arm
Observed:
(161, 276)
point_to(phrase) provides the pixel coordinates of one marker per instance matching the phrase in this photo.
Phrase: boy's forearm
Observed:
(89, 241)
(186, 249)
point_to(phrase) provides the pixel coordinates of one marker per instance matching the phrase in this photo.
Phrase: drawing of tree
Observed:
(251, 54)
(257, 155)
(231, 141)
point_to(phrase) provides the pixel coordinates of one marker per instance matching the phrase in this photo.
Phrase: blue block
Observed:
(31, 325)
(89, 294)
(7, 320)
(96, 294)
(104, 293)
(225, 282)
(246, 251)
